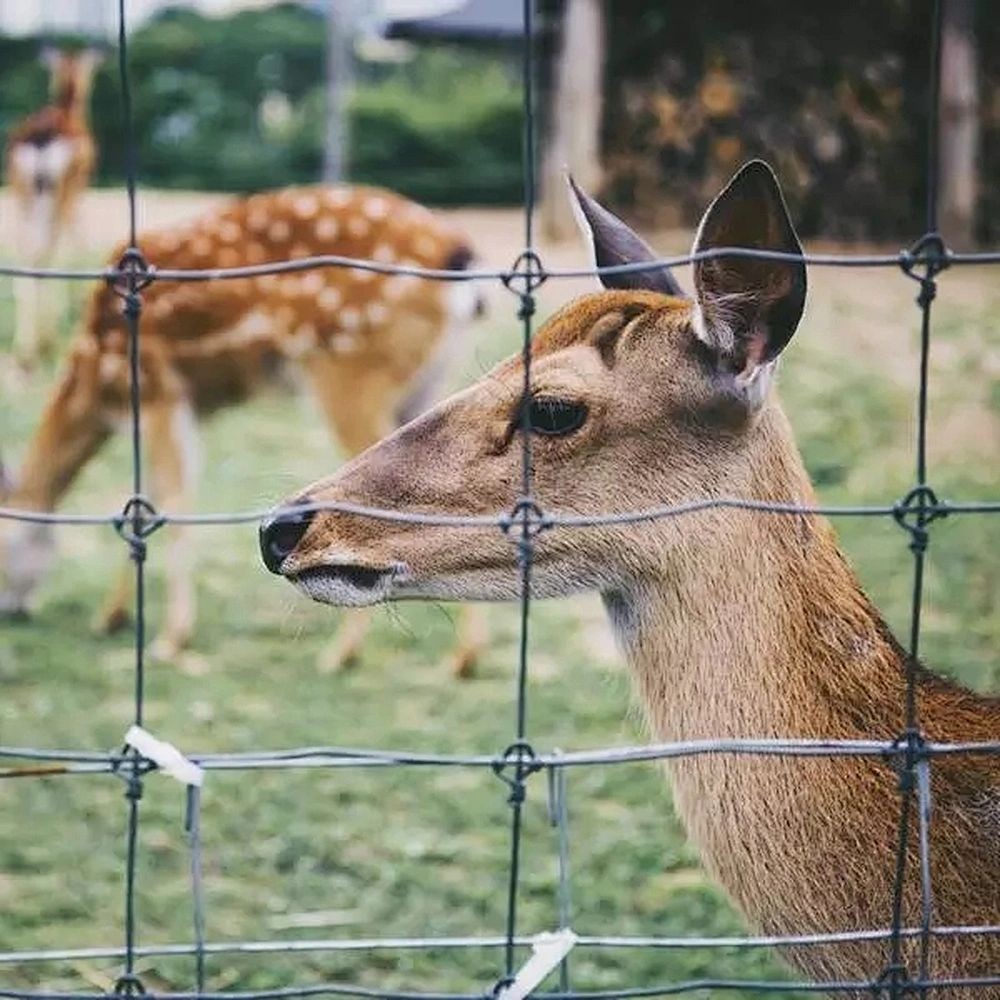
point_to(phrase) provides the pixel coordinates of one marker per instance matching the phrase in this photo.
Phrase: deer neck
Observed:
(755, 626)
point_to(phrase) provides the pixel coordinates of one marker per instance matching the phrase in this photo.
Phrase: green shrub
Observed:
(443, 128)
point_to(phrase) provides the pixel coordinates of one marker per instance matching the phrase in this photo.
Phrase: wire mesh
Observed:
(912, 752)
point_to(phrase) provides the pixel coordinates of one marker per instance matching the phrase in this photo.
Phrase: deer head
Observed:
(71, 74)
(639, 397)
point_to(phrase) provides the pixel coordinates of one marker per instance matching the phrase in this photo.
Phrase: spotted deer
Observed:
(372, 348)
(48, 161)
(735, 623)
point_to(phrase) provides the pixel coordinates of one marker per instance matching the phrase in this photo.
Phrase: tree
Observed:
(958, 141)
(574, 140)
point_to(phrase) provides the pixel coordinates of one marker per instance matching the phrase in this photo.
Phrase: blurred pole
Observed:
(575, 121)
(339, 84)
(958, 143)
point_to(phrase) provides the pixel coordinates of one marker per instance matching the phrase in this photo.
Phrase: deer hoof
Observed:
(338, 659)
(111, 620)
(166, 648)
(464, 664)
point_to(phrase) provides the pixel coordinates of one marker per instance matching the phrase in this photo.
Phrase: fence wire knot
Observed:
(525, 276)
(907, 751)
(528, 516)
(923, 261)
(892, 981)
(132, 274)
(137, 521)
(915, 512)
(128, 985)
(521, 757)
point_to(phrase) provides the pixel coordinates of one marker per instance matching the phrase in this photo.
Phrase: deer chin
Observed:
(349, 585)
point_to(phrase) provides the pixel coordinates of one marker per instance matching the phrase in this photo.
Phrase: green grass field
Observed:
(392, 852)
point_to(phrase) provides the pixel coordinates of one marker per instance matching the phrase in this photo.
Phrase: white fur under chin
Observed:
(334, 590)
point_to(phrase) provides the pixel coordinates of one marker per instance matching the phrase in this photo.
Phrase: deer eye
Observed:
(555, 417)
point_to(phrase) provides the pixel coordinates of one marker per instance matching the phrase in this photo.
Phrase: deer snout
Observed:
(280, 534)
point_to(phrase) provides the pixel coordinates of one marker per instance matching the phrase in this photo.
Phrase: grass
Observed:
(399, 852)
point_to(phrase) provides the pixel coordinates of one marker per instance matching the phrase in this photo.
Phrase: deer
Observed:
(735, 623)
(372, 347)
(49, 160)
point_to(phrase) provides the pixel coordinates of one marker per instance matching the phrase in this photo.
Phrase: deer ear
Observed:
(748, 309)
(615, 243)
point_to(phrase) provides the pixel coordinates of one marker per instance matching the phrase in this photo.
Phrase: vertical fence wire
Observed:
(135, 510)
(914, 766)
(525, 505)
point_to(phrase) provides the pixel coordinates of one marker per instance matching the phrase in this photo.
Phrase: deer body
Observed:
(49, 161)
(370, 346)
(735, 623)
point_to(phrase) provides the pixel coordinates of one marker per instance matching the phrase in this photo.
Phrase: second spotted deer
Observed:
(372, 348)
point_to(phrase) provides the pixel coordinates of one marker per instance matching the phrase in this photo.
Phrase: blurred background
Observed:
(653, 104)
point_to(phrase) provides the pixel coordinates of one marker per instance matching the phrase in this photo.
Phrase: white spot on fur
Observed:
(426, 246)
(397, 285)
(305, 206)
(376, 313)
(358, 226)
(329, 299)
(169, 242)
(229, 232)
(301, 340)
(350, 318)
(279, 231)
(362, 276)
(313, 282)
(201, 246)
(376, 208)
(338, 197)
(327, 228)
(258, 220)
(384, 253)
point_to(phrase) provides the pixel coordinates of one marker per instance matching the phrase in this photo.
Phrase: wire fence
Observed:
(911, 752)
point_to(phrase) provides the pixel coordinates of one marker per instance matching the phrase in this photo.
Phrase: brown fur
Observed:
(368, 344)
(736, 624)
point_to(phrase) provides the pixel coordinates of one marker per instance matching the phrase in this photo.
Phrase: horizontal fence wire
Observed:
(98, 762)
(503, 520)
(911, 752)
(905, 259)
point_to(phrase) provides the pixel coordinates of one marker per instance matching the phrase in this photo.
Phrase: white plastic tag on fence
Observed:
(548, 949)
(165, 756)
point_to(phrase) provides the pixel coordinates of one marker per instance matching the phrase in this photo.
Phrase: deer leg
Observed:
(114, 615)
(473, 635)
(26, 319)
(173, 452)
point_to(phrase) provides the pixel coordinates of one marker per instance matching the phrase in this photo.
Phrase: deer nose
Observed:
(280, 534)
